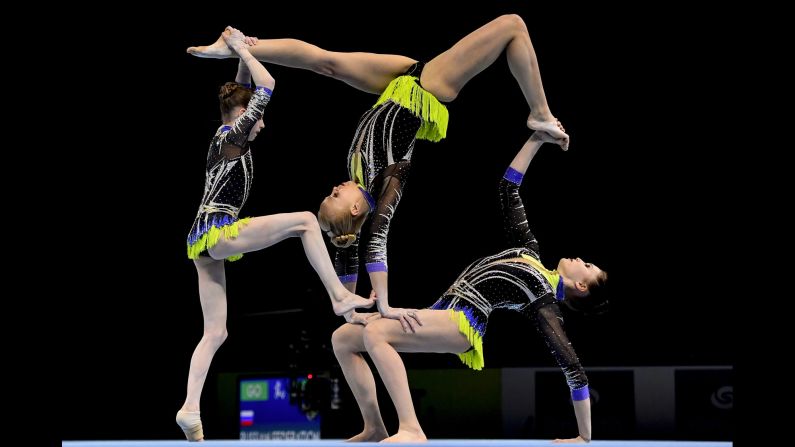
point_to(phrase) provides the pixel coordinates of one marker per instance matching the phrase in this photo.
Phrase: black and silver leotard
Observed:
(514, 279)
(228, 176)
(382, 146)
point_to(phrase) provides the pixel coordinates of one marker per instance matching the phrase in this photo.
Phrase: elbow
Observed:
(270, 83)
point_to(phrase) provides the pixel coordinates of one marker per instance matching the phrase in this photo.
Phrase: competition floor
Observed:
(432, 443)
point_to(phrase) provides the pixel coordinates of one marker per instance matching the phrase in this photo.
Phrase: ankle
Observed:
(542, 114)
(411, 428)
(374, 428)
(341, 294)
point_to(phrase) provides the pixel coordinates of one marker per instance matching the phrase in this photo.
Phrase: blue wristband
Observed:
(376, 267)
(513, 176)
(349, 278)
(580, 394)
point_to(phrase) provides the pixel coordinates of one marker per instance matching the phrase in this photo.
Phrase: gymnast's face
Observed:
(342, 199)
(255, 130)
(580, 272)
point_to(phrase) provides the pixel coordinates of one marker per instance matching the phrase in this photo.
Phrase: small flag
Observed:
(246, 418)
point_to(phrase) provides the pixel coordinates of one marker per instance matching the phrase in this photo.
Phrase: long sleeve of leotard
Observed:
(514, 217)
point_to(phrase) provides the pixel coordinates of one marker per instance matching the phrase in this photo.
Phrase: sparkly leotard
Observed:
(513, 279)
(379, 161)
(228, 177)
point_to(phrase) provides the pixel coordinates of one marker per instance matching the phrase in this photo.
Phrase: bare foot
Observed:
(350, 301)
(406, 436)
(552, 127)
(191, 424)
(370, 436)
(218, 50)
(560, 125)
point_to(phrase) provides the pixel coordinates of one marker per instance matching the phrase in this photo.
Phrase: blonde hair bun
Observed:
(343, 240)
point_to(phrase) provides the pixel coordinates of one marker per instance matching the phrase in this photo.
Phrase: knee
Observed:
(307, 223)
(373, 335)
(342, 339)
(325, 63)
(310, 220)
(216, 336)
(514, 23)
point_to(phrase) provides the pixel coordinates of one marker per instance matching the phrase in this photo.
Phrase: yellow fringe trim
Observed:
(404, 91)
(474, 357)
(210, 238)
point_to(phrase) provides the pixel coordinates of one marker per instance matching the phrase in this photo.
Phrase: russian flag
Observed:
(246, 418)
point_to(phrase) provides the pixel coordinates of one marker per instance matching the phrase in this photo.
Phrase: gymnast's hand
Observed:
(234, 39)
(409, 318)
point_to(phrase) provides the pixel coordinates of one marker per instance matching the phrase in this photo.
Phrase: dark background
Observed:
(632, 195)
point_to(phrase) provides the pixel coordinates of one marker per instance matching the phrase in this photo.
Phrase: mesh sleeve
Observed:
(346, 263)
(374, 236)
(549, 322)
(514, 218)
(242, 126)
